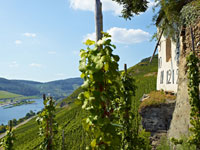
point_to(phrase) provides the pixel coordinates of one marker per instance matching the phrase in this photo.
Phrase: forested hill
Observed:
(57, 89)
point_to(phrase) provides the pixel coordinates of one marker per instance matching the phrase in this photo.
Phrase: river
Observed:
(19, 111)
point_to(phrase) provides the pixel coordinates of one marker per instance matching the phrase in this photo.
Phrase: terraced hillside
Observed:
(69, 116)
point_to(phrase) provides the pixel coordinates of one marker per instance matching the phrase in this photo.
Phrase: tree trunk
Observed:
(98, 19)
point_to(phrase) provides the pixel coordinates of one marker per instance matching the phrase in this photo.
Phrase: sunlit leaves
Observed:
(107, 99)
(100, 71)
(89, 42)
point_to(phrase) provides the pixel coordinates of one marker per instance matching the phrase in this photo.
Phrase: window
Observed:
(161, 77)
(168, 49)
(169, 77)
(160, 62)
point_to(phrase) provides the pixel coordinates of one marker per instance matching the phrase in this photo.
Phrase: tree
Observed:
(131, 7)
(173, 15)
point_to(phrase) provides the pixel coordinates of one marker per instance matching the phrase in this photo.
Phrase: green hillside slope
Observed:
(5, 95)
(69, 118)
(57, 89)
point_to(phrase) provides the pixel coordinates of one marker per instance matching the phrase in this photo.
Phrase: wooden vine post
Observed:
(192, 37)
(98, 19)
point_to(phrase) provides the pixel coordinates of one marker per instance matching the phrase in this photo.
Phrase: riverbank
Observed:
(18, 104)
(15, 100)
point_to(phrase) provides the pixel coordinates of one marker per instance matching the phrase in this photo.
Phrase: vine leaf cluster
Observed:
(193, 92)
(107, 98)
(99, 69)
(47, 124)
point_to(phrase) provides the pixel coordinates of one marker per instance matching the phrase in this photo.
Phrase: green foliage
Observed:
(5, 95)
(48, 126)
(132, 137)
(2, 128)
(190, 13)
(8, 140)
(164, 144)
(193, 92)
(111, 117)
(70, 118)
(181, 144)
(99, 69)
(58, 89)
(131, 7)
(128, 132)
(175, 14)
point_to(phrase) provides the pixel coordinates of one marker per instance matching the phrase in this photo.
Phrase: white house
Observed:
(168, 60)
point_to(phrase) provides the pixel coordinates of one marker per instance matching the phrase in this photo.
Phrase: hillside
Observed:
(5, 95)
(57, 89)
(69, 118)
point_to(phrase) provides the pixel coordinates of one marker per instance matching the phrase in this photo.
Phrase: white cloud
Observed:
(52, 52)
(107, 5)
(35, 65)
(124, 36)
(13, 64)
(91, 36)
(128, 36)
(18, 42)
(27, 34)
(88, 5)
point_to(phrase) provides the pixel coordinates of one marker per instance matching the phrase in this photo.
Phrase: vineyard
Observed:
(69, 118)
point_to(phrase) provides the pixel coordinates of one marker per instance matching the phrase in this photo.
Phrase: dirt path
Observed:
(3, 134)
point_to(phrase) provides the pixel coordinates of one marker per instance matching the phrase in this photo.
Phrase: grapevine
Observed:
(99, 69)
(48, 126)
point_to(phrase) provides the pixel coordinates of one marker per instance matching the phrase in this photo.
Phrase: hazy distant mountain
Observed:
(57, 89)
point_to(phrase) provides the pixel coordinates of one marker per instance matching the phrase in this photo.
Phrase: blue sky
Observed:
(40, 39)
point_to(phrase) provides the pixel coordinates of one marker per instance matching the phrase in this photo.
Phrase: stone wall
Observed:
(181, 118)
(156, 119)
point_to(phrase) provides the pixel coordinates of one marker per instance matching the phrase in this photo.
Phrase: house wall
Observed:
(167, 77)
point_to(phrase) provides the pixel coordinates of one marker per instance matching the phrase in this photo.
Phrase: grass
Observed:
(156, 98)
